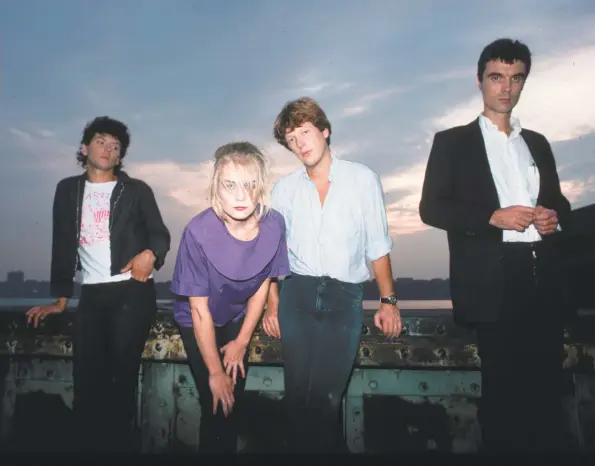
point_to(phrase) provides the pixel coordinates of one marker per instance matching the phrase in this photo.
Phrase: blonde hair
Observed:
(243, 154)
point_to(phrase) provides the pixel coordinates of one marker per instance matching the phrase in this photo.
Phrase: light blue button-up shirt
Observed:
(338, 238)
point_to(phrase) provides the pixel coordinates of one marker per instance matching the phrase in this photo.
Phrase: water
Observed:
(167, 303)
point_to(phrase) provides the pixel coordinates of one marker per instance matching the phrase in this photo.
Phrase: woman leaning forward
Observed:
(227, 257)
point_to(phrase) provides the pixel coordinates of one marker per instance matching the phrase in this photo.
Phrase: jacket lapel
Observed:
(80, 193)
(536, 155)
(479, 165)
(117, 208)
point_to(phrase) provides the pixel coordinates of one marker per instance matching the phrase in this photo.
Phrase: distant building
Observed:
(15, 277)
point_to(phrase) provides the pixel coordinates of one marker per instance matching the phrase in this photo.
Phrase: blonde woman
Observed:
(227, 257)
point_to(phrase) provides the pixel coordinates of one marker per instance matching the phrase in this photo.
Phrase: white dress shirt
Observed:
(514, 172)
(335, 239)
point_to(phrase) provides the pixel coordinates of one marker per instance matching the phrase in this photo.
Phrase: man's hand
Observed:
(270, 323)
(388, 320)
(39, 313)
(545, 220)
(141, 265)
(515, 217)
(233, 359)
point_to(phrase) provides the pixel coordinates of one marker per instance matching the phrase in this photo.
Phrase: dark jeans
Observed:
(218, 434)
(321, 322)
(521, 356)
(111, 326)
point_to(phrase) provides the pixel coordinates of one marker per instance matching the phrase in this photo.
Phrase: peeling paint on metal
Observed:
(433, 406)
(431, 340)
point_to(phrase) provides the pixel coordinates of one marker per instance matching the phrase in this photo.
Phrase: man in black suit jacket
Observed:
(493, 186)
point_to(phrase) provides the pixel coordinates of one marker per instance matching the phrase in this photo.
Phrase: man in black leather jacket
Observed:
(106, 225)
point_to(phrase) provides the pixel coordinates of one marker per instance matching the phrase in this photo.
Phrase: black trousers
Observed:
(111, 326)
(218, 434)
(522, 354)
(320, 319)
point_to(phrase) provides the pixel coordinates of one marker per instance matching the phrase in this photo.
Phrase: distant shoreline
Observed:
(408, 289)
(167, 303)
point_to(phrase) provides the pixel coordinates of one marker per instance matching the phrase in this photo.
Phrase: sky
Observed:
(188, 76)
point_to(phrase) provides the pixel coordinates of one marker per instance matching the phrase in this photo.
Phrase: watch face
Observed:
(389, 300)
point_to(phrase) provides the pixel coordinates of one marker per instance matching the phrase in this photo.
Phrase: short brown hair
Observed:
(297, 112)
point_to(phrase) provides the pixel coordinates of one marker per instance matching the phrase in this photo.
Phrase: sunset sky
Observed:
(188, 76)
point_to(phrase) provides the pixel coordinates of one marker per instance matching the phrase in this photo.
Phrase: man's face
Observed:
(308, 143)
(237, 191)
(103, 152)
(502, 85)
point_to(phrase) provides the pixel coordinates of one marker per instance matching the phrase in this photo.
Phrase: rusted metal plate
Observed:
(431, 409)
(421, 423)
(426, 409)
(429, 339)
(37, 396)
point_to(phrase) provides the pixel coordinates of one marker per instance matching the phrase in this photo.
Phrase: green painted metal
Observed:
(429, 373)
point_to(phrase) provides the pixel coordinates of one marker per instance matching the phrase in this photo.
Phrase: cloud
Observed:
(23, 136)
(313, 84)
(403, 212)
(576, 189)
(454, 74)
(352, 111)
(554, 101)
(184, 184)
(44, 148)
(313, 89)
(364, 103)
(46, 133)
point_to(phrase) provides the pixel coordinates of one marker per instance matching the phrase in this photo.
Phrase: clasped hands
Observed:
(519, 218)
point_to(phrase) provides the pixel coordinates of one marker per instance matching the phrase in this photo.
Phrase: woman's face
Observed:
(237, 191)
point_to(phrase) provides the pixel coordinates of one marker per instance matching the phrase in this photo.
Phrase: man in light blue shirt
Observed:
(336, 221)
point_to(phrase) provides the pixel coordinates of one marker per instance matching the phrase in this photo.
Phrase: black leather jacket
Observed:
(135, 225)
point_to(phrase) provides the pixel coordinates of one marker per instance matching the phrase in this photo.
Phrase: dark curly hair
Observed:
(508, 51)
(104, 125)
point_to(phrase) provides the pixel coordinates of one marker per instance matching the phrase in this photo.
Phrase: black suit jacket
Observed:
(459, 195)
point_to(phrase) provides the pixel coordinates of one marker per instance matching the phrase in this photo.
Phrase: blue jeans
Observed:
(320, 319)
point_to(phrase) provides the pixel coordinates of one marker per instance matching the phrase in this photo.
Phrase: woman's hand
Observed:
(233, 358)
(222, 390)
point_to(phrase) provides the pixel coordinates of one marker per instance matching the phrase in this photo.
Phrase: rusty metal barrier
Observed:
(428, 379)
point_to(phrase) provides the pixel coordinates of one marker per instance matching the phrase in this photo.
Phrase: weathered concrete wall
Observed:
(428, 380)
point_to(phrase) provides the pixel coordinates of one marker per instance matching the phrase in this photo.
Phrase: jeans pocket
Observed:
(353, 291)
(344, 297)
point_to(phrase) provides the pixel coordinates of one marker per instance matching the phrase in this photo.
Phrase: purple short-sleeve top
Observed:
(211, 262)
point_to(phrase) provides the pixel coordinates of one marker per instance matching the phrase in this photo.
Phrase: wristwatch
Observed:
(392, 299)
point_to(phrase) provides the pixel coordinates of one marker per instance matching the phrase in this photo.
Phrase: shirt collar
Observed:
(332, 172)
(487, 125)
(121, 176)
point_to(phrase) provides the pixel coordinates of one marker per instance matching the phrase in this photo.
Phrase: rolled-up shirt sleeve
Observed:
(190, 276)
(378, 241)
